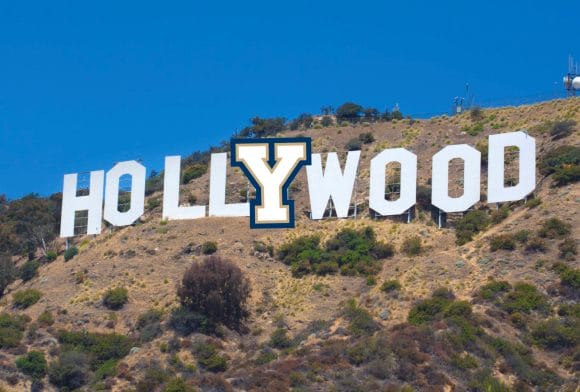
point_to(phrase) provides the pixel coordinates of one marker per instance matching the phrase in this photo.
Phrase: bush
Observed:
(429, 309)
(185, 322)
(569, 276)
(11, 329)
(561, 129)
(70, 253)
(25, 298)
(98, 347)
(360, 320)
(492, 290)
(499, 215)
(472, 223)
(217, 289)
(208, 358)
(353, 144)
(424, 197)
(522, 236)
(178, 384)
(33, 364)
(563, 162)
(193, 172)
(534, 202)
(554, 228)
(106, 370)
(536, 245)
(555, 334)
(46, 319)
(149, 325)
(366, 137)
(351, 251)
(411, 246)
(524, 298)
(50, 256)
(114, 299)
(209, 247)
(566, 175)
(28, 270)
(568, 248)
(280, 339)
(265, 356)
(502, 241)
(7, 272)
(70, 372)
(391, 285)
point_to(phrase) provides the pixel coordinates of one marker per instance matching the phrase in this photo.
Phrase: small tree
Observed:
(7, 272)
(114, 299)
(349, 111)
(217, 289)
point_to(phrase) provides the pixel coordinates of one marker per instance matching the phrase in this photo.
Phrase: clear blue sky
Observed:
(87, 84)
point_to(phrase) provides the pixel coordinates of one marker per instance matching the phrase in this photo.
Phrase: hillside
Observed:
(471, 340)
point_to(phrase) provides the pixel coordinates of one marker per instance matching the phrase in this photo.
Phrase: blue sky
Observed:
(87, 84)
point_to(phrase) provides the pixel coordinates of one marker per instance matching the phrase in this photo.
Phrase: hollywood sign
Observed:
(272, 164)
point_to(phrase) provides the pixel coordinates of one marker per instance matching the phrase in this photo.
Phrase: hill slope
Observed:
(447, 351)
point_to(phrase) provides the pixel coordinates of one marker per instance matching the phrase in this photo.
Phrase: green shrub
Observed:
(149, 325)
(412, 246)
(559, 157)
(429, 309)
(99, 347)
(472, 223)
(535, 245)
(568, 248)
(366, 137)
(106, 370)
(502, 241)
(522, 236)
(208, 358)
(33, 364)
(178, 384)
(566, 175)
(485, 382)
(193, 172)
(561, 129)
(351, 251)
(209, 247)
(555, 334)
(569, 276)
(492, 290)
(564, 163)
(70, 372)
(50, 256)
(391, 285)
(28, 270)
(7, 272)
(280, 339)
(524, 298)
(114, 299)
(464, 362)
(25, 298)
(360, 320)
(353, 144)
(265, 356)
(185, 322)
(533, 203)
(554, 228)
(11, 329)
(499, 215)
(45, 319)
(70, 253)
